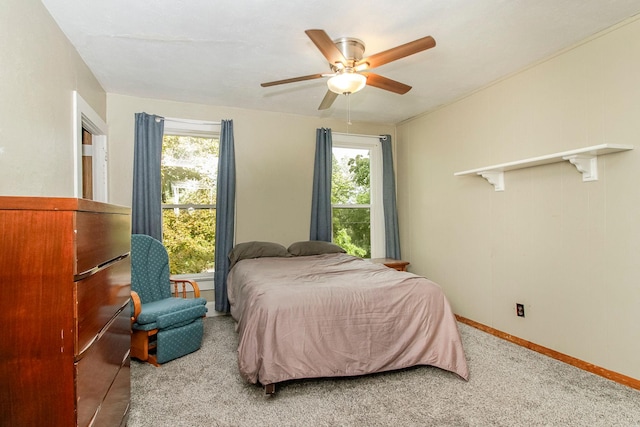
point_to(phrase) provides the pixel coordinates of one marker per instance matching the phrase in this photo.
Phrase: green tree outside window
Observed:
(351, 201)
(189, 168)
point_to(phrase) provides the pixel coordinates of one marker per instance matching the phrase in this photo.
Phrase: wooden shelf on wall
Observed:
(584, 159)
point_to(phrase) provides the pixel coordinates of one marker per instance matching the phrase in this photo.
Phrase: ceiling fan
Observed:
(349, 68)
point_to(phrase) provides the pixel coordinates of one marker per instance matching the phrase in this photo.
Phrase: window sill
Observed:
(204, 280)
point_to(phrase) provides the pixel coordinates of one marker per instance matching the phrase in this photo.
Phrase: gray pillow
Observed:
(250, 250)
(314, 247)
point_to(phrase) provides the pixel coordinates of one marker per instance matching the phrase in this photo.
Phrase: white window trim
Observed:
(85, 117)
(188, 127)
(195, 276)
(372, 143)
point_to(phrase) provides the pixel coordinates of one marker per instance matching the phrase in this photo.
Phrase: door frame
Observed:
(85, 117)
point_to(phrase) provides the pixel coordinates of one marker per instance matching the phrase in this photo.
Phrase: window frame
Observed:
(195, 128)
(371, 143)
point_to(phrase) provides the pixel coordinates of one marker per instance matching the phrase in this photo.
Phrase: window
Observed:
(356, 195)
(189, 169)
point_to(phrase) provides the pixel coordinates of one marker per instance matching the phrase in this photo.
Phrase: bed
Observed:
(312, 313)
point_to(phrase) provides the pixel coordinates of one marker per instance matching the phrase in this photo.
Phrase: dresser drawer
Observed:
(100, 238)
(115, 407)
(99, 296)
(98, 368)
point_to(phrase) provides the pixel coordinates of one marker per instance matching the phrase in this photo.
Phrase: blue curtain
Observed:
(225, 213)
(321, 196)
(146, 206)
(392, 234)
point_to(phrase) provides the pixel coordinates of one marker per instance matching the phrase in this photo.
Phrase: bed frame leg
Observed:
(270, 389)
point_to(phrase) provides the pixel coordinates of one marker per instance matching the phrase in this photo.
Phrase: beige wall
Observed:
(38, 74)
(567, 249)
(274, 161)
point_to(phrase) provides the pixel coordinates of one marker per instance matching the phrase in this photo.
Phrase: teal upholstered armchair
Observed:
(165, 323)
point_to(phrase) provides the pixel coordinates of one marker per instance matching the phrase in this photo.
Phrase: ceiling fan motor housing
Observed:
(352, 49)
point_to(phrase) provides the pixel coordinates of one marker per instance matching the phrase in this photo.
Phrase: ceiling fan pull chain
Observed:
(348, 108)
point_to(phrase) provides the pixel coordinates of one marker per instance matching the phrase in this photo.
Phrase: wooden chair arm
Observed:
(137, 306)
(184, 282)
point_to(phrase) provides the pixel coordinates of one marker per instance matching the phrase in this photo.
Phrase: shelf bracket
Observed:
(586, 164)
(495, 178)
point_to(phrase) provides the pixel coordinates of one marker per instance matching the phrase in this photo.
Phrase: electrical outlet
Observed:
(520, 309)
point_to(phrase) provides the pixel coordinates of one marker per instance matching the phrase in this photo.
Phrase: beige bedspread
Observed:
(337, 315)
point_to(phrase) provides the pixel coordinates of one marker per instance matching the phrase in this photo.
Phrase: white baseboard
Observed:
(212, 311)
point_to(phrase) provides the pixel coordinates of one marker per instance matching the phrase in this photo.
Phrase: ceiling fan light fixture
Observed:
(346, 82)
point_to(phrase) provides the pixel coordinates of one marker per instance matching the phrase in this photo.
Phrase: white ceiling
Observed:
(218, 52)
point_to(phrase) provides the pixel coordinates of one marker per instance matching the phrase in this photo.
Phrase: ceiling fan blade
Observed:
(328, 100)
(293, 80)
(326, 46)
(396, 53)
(385, 83)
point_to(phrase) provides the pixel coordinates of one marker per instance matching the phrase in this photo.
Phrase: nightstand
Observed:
(397, 264)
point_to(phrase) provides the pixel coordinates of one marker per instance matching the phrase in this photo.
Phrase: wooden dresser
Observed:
(65, 277)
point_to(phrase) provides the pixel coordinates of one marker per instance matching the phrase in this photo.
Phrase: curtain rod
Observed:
(188, 121)
(361, 135)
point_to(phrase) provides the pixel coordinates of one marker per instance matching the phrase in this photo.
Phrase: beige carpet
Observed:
(509, 386)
